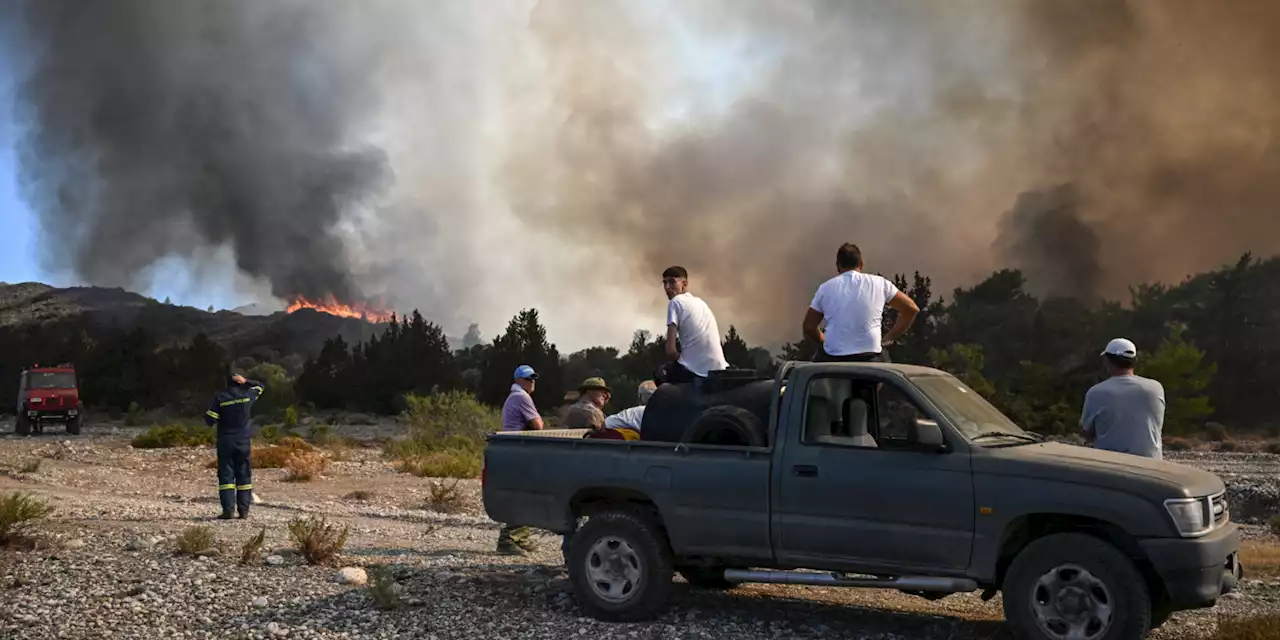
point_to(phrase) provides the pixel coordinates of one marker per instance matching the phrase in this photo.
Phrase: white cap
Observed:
(1121, 347)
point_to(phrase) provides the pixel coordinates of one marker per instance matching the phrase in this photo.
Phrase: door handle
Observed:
(805, 471)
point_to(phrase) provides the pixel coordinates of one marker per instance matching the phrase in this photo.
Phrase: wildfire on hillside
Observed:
(331, 306)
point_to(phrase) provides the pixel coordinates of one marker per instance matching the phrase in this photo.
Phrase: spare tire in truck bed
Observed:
(726, 425)
(673, 408)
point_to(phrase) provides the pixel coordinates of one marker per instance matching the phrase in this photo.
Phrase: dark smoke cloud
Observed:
(560, 154)
(156, 128)
(1044, 236)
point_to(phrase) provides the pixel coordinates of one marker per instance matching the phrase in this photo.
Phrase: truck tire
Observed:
(726, 425)
(1075, 582)
(74, 424)
(620, 566)
(22, 425)
(707, 578)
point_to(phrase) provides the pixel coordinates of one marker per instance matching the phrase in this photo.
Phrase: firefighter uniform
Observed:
(230, 412)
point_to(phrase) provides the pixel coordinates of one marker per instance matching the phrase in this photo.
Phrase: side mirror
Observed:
(927, 434)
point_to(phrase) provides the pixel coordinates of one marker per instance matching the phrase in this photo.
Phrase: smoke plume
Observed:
(472, 159)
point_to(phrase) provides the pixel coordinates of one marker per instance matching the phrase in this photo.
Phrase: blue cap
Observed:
(525, 371)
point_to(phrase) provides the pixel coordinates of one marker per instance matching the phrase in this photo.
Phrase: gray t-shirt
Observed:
(1126, 414)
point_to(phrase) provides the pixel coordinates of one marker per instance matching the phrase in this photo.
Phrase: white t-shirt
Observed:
(853, 304)
(699, 334)
(626, 419)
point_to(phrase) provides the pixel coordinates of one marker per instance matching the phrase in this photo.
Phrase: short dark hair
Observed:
(675, 272)
(849, 256)
(1120, 362)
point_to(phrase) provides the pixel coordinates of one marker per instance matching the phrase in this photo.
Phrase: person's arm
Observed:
(255, 389)
(813, 318)
(907, 310)
(212, 416)
(673, 322)
(532, 421)
(1087, 415)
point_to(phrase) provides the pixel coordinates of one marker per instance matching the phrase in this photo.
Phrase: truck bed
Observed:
(716, 497)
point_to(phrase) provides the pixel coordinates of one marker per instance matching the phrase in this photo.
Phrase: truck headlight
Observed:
(1190, 515)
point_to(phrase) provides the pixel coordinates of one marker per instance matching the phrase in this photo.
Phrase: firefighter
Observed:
(230, 411)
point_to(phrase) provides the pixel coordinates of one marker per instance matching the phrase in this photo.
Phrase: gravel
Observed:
(111, 570)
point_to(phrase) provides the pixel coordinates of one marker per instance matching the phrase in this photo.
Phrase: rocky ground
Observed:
(111, 570)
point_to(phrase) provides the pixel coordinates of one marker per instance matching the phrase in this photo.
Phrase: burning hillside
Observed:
(332, 306)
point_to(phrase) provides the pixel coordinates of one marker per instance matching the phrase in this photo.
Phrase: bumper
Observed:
(60, 415)
(1196, 571)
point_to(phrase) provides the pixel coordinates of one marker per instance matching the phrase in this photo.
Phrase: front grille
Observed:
(1219, 509)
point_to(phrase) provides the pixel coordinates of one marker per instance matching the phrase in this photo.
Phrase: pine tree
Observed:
(736, 350)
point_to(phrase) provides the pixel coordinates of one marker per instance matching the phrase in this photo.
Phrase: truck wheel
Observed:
(620, 567)
(707, 578)
(1071, 585)
(726, 425)
(73, 425)
(22, 425)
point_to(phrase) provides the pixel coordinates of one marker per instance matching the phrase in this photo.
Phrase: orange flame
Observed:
(331, 306)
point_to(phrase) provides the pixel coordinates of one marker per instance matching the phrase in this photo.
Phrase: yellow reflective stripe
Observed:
(212, 414)
(231, 402)
(244, 487)
(259, 389)
(224, 487)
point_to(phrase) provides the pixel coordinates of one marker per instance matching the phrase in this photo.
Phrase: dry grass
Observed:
(304, 466)
(1215, 431)
(445, 497)
(360, 495)
(1178, 444)
(1260, 559)
(1273, 448)
(277, 455)
(31, 466)
(1227, 446)
(1263, 627)
(318, 540)
(18, 512)
(251, 552)
(195, 540)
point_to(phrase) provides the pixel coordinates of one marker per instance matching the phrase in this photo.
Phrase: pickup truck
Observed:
(870, 475)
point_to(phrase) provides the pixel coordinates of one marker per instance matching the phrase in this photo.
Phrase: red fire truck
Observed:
(49, 394)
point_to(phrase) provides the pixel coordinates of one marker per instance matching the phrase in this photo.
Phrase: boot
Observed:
(228, 499)
(243, 500)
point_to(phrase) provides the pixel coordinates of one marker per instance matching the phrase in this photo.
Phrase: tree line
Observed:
(1213, 340)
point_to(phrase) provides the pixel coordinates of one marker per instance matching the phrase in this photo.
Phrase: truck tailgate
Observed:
(709, 497)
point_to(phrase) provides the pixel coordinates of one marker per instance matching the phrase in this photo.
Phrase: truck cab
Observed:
(48, 395)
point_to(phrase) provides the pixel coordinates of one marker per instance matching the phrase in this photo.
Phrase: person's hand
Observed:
(238, 379)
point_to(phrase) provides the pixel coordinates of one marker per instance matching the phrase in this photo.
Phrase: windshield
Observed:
(51, 380)
(965, 407)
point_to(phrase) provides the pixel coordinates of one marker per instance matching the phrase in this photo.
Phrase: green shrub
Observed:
(383, 588)
(1274, 523)
(17, 512)
(175, 435)
(133, 417)
(1216, 431)
(290, 418)
(446, 435)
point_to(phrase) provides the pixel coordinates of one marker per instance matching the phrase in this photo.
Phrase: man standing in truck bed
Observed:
(230, 412)
(853, 304)
(690, 320)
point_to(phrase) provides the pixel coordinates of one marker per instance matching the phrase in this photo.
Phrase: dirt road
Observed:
(114, 574)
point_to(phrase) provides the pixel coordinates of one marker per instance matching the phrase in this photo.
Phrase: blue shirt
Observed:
(1126, 414)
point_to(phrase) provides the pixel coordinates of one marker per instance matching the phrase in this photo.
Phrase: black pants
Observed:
(823, 356)
(673, 373)
(235, 475)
